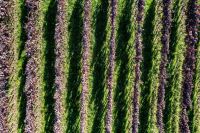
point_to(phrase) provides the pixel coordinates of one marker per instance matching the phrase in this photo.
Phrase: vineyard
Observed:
(95, 66)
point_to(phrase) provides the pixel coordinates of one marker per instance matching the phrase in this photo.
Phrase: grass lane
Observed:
(123, 75)
(49, 57)
(153, 73)
(75, 26)
(147, 63)
(176, 58)
(98, 66)
(14, 81)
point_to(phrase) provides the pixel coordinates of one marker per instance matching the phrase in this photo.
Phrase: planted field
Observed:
(94, 66)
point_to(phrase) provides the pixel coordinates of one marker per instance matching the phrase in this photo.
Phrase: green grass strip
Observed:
(124, 71)
(98, 66)
(75, 26)
(40, 119)
(14, 81)
(177, 49)
(49, 72)
(153, 74)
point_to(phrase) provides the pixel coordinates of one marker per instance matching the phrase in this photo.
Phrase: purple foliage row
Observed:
(5, 53)
(189, 65)
(138, 60)
(85, 63)
(59, 68)
(111, 67)
(32, 51)
(166, 23)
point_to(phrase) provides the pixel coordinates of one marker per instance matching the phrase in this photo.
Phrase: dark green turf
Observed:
(49, 73)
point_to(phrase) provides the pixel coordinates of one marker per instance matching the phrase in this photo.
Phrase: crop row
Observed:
(189, 63)
(60, 79)
(5, 62)
(166, 25)
(111, 67)
(138, 60)
(31, 71)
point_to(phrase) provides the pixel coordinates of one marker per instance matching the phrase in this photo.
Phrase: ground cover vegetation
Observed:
(114, 66)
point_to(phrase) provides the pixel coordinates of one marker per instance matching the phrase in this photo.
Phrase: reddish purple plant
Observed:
(85, 69)
(5, 62)
(189, 65)
(59, 64)
(111, 68)
(166, 22)
(138, 60)
(32, 52)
